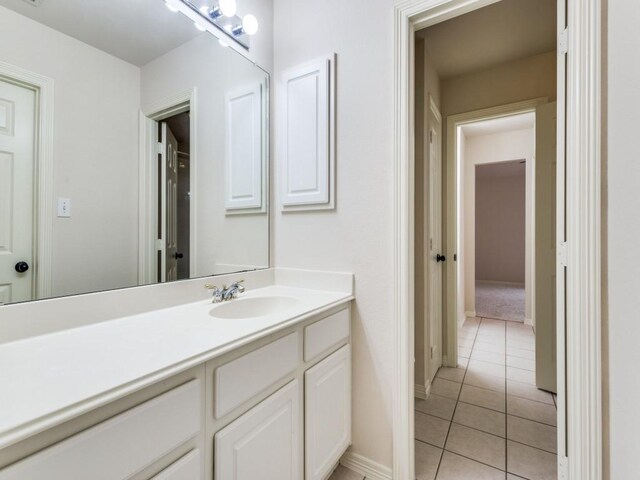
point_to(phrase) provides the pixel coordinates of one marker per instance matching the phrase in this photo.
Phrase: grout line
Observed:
(474, 460)
(531, 446)
(506, 416)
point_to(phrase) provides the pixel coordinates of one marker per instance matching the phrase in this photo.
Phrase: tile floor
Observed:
(485, 419)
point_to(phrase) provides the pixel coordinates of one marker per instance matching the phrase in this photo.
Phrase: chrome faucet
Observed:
(226, 293)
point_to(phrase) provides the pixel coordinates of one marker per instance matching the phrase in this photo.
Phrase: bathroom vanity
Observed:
(255, 388)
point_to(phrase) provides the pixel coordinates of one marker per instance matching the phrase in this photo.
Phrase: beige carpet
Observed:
(500, 300)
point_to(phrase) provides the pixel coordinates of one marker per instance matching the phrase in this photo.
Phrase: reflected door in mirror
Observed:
(17, 140)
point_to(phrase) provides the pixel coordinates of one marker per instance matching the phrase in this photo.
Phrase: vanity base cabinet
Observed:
(327, 413)
(264, 442)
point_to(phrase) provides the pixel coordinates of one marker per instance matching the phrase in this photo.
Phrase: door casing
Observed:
(582, 326)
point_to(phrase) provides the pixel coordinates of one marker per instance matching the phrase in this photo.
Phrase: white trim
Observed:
(528, 321)
(584, 395)
(422, 391)
(362, 465)
(470, 314)
(147, 182)
(43, 223)
(452, 159)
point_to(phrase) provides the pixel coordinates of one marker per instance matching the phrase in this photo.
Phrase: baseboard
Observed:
(422, 391)
(362, 465)
(497, 282)
(528, 321)
(470, 314)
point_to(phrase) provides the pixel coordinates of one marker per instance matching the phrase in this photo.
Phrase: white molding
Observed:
(452, 166)
(147, 181)
(583, 227)
(325, 197)
(362, 465)
(422, 391)
(43, 86)
(528, 321)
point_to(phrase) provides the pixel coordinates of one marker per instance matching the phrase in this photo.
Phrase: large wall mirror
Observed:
(133, 149)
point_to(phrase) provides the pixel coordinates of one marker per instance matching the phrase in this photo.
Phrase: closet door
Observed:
(264, 443)
(327, 413)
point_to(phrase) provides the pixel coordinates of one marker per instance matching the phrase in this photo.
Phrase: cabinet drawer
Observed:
(326, 333)
(188, 467)
(242, 378)
(121, 446)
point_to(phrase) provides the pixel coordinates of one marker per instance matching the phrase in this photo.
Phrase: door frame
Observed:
(148, 181)
(43, 173)
(453, 170)
(583, 221)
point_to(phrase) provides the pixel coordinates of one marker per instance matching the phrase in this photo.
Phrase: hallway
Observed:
(486, 419)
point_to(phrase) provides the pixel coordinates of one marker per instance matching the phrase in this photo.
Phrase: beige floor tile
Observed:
(464, 352)
(476, 445)
(452, 374)
(481, 419)
(343, 473)
(430, 429)
(511, 476)
(531, 433)
(455, 467)
(437, 406)
(486, 368)
(521, 352)
(525, 345)
(536, 411)
(518, 362)
(466, 342)
(445, 388)
(491, 357)
(519, 375)
(531, 463)
(496, 339)
(483, 398)
(427, 461)
(483, 380)
(530, 392)
(489, 347)
(463, 362)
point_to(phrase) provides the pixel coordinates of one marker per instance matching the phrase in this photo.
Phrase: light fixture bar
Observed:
(230, 26)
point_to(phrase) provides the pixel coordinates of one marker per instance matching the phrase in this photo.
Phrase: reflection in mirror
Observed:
(133, 149)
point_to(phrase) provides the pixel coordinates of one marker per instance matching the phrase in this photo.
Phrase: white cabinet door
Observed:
(264, 443)
(327, 413)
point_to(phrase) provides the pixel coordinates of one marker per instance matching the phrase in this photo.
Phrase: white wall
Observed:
(213, 70)
(621, 254)
(483, 149)
(95, 150)
(358, 235)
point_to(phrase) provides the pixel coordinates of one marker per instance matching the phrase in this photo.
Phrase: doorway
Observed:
(483, 410)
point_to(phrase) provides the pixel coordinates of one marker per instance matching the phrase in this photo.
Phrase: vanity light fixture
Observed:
(223, 16)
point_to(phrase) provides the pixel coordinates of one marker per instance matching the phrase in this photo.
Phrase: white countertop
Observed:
(49, 379)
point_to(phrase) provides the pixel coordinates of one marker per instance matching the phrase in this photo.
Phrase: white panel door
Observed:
(305, 134)
(243, 149)
(169, 204)
(545, 249)
(17, 154)
(264, 443)
(435, 258)
(327, 413)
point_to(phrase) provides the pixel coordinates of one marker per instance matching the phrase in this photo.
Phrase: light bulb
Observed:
(250, 24)
(171, 7)
(199, 27)
(228, 7)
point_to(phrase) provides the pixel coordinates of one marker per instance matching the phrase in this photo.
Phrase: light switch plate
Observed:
(64, 207)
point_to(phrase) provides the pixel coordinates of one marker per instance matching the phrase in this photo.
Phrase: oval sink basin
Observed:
(253, 307)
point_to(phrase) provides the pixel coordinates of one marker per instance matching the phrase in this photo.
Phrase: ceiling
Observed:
(512, 168)
(500, 125)
(499, 33)
(136, 31)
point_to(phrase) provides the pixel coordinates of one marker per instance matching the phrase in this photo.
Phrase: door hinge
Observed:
(160, 244)
(563, 42)
(430, 136)
(159, 148)
(562, 253)
(563, 470)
